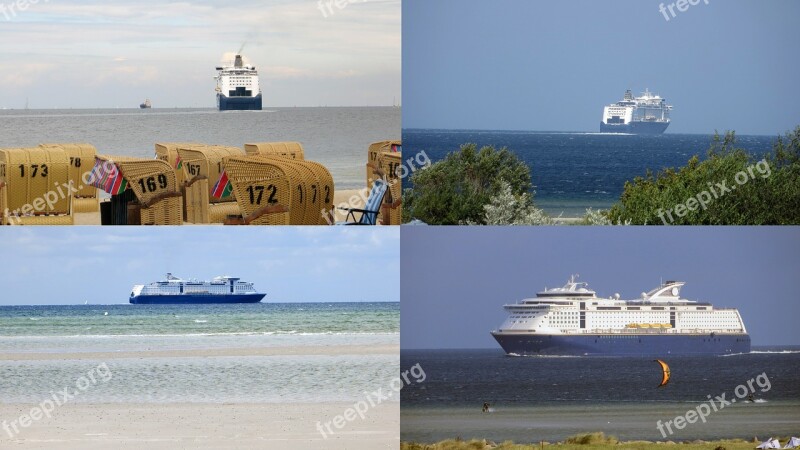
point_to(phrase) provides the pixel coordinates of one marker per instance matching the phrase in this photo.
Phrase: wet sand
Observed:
(191, 425)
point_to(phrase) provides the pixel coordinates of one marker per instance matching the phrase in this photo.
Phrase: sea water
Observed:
(44, 332)
(575, 171)
(336, 137)
(551, 398)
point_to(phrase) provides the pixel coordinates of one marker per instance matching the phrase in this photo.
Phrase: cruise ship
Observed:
(572, 320)
(648, 114)
(237, 87)
(174, 290)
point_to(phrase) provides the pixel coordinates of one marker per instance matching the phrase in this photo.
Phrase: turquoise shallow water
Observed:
(242, 319)
(317, 377)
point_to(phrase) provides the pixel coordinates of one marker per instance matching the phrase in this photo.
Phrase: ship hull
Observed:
(635, 127)
(239, 103)
(623, 345)
(189, 299)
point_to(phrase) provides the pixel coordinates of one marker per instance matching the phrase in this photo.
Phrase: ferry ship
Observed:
(648, 114)
(572, 320)
(174, 290)
(237, 87)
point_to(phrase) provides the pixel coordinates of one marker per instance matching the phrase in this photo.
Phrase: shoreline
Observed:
(296, 350)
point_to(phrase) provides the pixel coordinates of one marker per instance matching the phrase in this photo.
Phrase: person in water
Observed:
(485, 407)
(751, 399)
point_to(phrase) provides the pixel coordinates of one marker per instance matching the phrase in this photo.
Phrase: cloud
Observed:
(90, 53)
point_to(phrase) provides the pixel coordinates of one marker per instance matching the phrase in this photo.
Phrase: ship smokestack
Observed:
(238, 61)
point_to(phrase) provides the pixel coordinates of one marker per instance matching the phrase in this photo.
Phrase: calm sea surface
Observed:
(550, 398)
(284, 378)
(335, 137)
(575, 171)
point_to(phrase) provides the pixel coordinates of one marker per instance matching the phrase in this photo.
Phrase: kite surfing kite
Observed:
(665, 369)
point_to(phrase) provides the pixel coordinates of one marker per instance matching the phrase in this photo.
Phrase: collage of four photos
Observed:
(386, 224)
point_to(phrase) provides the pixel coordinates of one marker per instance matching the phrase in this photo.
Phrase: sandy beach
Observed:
(212, 426)
(80, 425)
(351, 197)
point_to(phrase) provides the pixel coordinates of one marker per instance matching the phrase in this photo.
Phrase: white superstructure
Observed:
(646, 114)
(172, 285)
(238, 86)
(576, 309)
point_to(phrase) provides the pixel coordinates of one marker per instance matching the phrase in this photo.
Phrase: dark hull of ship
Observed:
(195, 299)
(623, 344)
(635, 127)
(239, 103)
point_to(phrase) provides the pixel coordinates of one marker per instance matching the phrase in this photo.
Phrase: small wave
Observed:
(200, 321)
(775, 351)
(765, 352)
(541, 356)
(35, 318)
(230, 333)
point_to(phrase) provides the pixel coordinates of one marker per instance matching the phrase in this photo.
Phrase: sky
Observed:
(554, 65)
(457, 279)
(48, 266)
(112, 53)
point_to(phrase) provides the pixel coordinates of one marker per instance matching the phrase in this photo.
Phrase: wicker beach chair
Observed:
(168, 151)
(374, 153)
(35, 186)
(369, 214)
(81, 159)
(315, 197)
(206, 161)
(391, 209)
(303, 184)
(262, 190)
(293, 150)
(156, 199)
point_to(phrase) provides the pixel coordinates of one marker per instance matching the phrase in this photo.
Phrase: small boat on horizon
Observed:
(146, 104)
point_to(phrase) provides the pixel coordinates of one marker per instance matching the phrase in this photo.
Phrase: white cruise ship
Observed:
(237, 86)
(572, 320)
(646, 114)
(174, 290)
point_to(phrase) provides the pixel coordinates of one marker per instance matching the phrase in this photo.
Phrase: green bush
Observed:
(707, 192)
(454, 190)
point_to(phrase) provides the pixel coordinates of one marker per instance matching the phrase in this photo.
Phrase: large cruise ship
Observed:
(572, 320)
(174, 290)
(648, 114)
(237, 87)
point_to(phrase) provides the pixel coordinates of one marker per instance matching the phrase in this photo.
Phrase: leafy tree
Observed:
(454, 190)
(730, 187)
(507, 208)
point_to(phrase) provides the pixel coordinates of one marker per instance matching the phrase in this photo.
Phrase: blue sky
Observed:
(101, 53)
(457, 279)
(553, 65)
(291, 264)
